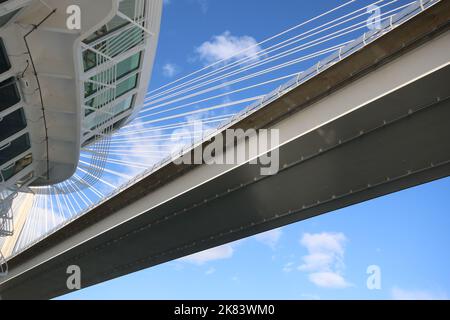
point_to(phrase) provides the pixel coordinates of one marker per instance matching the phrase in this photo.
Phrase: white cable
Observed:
(256, 74)
(258, 44)
(302, 47)
(229, 104)
(267, 50)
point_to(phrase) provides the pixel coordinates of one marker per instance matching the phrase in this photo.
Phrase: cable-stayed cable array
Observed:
(181, 113)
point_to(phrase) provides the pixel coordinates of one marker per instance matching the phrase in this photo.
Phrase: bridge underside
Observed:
(384, 130)
(393, 143)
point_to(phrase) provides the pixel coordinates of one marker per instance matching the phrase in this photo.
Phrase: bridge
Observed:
(370, 120)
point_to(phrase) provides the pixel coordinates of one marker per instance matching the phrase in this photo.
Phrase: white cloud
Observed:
(218, 253)
(324, 242)
(316, 261)
(289, 267)
(227, 46)
(170, 70)
(203, 5)
(210, 271)
(328, 280)
(270, 238)
(325, 259)
(402, 294)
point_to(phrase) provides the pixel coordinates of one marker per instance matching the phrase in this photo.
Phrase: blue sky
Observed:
(405, 234)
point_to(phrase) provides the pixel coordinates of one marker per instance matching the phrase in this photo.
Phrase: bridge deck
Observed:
(386, 144)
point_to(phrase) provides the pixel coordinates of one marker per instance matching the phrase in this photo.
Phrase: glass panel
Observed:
(123, 106)
(128, 65)
(115, 24)
(5, 65)
(116, 111)
(124, 68)
(119, 124)
(8, 93)
(13, 149)
(124, 40)
(121, 89)
(89, 59)
(12, 123)
(126, 85)
(24, 180)
(17, 167)
(5, 19)
(126, 7)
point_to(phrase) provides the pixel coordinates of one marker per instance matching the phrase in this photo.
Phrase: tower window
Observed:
(12, 123)
(9, 94)
(14, 148)
(5, 65)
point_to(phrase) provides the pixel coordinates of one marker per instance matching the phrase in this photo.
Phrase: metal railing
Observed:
(3, 266)
(6, 216)
(6, 227)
